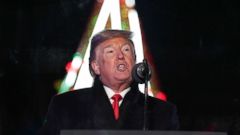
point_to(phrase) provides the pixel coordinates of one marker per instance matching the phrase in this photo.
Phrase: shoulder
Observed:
(72, 97)
(158, 104)
(163, 113)
(74, 93)
(155, 103)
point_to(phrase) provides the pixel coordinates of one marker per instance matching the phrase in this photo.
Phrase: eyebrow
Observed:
(124, 44)
(108, 46)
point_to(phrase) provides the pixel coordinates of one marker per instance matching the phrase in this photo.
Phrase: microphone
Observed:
(141, 72)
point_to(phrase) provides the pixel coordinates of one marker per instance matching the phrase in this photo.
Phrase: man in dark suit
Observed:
(114, 101)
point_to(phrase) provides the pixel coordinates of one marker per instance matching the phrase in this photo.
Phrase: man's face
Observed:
(114, 61)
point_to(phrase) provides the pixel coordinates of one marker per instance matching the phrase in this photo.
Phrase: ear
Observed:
(95, 66)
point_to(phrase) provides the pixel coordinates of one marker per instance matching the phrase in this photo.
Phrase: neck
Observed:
(117, 87)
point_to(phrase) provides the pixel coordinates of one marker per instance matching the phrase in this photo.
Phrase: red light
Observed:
(122, 2)
(162, 96)
(68, 66)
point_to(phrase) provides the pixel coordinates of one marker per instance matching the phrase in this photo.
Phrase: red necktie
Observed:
(116, 98)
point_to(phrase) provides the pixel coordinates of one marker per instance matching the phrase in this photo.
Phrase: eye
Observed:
(126, 48)
(109, 51)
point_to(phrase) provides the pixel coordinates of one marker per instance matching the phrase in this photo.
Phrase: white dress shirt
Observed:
(110, 93)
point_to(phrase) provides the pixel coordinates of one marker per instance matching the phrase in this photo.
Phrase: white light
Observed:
(84, 78)
(102, 17)
(136, 29)
(130, 3)
(76, 62)
(70, 78)
(142, 87)
(109, 7)
(134, 25)
(115, 14)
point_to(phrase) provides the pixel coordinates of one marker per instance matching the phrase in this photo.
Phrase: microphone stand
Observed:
(147, 77)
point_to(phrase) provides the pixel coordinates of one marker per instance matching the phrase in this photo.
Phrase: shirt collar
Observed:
(110, 92)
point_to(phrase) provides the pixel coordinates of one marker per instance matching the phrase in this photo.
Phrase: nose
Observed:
(120, 55)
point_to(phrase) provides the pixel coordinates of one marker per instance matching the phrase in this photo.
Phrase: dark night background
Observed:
(195, 46)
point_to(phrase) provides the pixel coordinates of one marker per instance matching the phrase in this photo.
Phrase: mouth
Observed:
(121, 67)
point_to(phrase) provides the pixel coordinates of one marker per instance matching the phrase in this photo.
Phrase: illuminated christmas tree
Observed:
(109, 14)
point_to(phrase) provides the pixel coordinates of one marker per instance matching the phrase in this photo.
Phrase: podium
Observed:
(136, 132)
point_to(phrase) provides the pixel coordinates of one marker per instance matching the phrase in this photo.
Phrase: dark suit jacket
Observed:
(91, 109)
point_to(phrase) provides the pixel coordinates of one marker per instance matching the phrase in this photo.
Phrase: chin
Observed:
(123, 78)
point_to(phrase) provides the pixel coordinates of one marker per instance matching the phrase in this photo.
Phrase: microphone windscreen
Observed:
(141, 72)
(136, 73)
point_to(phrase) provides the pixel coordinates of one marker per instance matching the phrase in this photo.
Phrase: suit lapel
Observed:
(131, 110)
(103, 117)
